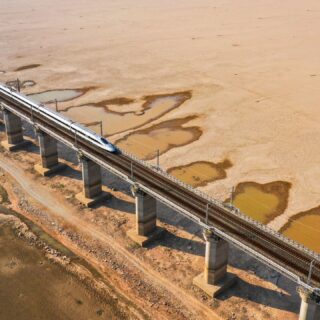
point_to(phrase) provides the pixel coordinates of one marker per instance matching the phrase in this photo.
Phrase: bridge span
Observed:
(222, 223)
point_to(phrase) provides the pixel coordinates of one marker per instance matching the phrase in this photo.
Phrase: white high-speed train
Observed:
(77, 129)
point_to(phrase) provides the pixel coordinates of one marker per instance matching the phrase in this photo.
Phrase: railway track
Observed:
(269, 246)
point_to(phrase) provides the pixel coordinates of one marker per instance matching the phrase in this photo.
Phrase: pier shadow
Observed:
(238, 259)
(169, 216)
(115, 203)
(114, 183)
(172, 241)
(120, 205)
(262, 296)
(69, 172)
(32, 147)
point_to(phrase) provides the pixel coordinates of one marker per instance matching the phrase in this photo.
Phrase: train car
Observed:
(77, 129)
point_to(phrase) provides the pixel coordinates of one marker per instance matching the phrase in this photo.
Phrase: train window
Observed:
(104, 141)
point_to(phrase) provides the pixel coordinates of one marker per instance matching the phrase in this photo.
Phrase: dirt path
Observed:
(43, 196)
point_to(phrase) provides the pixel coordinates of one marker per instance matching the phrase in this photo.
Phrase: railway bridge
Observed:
(223, 224)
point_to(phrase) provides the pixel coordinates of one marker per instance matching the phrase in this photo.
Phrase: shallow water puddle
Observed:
(163, 137)
(23, 84)
(135, 115)
(262, 202)
(305, 229)
(28, 83)
(200, 173)
(59, 95)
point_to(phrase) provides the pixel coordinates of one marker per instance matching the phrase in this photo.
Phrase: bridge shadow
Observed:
(172, 241)
(116, 204)
(262, 296)
(69, 172)
(171, 217)
(195, 246)
(32, 148)
(238, 259)
(119, 205)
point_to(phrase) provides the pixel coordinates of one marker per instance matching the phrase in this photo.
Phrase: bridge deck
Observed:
(288, 257)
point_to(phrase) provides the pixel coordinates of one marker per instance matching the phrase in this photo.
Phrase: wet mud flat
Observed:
(160, 138)
(34, 285)
(121, 113)
(117, 114)
(59, 95)
(200, 173)
(262, 202)
(304, 228)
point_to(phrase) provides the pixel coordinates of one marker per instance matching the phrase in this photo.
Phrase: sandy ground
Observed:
(159, 278)
(151, 287)
(253, 68)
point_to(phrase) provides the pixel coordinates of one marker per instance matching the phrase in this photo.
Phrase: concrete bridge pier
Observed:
(146, 229)
(310, 305)
(49, 155)
(215, 277)
(92, 187)
(13, 127)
